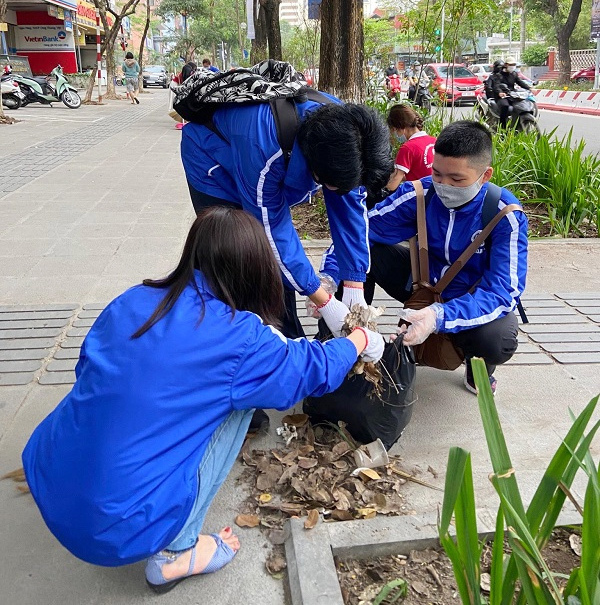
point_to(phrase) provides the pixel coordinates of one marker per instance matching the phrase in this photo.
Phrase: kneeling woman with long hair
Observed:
(125, 468)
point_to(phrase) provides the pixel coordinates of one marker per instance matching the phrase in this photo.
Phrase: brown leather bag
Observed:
(438, 351)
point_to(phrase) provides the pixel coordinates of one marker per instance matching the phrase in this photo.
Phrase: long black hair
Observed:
(229, 247)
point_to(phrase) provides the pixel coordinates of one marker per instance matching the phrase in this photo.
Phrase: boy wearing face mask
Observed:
(478, 305)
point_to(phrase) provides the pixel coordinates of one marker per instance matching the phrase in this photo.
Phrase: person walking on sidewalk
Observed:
(479, 303)
(131, 71)
(127, 465)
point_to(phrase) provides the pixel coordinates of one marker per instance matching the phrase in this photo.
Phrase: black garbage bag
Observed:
(366, 415)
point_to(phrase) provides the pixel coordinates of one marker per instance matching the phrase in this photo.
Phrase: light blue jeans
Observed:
(222, 450)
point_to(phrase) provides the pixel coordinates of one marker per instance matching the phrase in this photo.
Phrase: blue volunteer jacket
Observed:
(113, 469)
(498, 273)
(246, 166)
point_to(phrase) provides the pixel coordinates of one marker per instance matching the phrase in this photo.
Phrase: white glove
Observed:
(329, 286)
(375, 346)
(422, 324)
(334, 312)
(354, 296)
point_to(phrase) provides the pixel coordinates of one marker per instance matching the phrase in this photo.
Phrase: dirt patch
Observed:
(429, 573)
(539, 223)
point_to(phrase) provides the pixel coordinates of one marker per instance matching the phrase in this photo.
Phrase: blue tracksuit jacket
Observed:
(248, 168)
(114, 468)
(499, 272)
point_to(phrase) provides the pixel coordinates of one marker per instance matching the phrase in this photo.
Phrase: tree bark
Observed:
(341, 66)
(258, 51)
(142, 45)
(273, 29)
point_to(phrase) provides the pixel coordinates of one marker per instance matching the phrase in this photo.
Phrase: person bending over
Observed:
(126, 466)
(479, 302)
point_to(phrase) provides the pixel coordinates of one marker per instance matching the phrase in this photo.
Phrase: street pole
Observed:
(596, 71)
(510, 29)
(442, 33)
(98, 55)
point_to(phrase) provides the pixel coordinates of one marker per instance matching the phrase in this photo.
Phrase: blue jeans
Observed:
(215, 465)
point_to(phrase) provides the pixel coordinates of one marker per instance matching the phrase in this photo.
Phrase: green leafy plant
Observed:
(535, 54)
(521, 576)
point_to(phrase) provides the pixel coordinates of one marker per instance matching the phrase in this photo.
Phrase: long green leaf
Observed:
(497, 563)
(589, 571)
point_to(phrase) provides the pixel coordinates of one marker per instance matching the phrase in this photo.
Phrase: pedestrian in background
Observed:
(186, 71)
(206, 64)
(131, 71)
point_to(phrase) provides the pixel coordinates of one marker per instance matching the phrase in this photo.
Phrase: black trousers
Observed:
(504, 105)
(495, 342)
(291, 326)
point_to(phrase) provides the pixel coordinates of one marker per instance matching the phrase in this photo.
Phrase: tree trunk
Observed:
(258, 51)
(90, 87)
(563, 37)
(142, 45)
(110, 73)
(523, 33)
(273, 29)
(340, 70)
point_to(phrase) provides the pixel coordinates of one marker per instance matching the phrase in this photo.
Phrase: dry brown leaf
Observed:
(575, 542)
(306, 463)
(306, 449)
(275, 563)
(367, 513)
(380, 500)
(341, 515)
(288, 473)
(341, 465)
(296, 420)
(312, 519)
(247, 520)
(369, 473)
(340, 448)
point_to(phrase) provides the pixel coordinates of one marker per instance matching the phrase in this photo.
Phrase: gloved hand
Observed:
(334, 313)
(422, 324)
(375, 346)
(329, 285)
(354, 296)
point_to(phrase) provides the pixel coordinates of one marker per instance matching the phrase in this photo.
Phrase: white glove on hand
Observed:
(354, 296)
(422, 324)
(375, 346)
(334, 313)
(329, 286)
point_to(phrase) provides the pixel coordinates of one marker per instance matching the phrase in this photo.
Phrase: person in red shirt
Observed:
(415, 156)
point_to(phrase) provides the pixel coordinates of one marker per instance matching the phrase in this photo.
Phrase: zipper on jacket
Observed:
(447, 242)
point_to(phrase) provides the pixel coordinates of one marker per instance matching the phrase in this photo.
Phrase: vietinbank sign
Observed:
(43, 37)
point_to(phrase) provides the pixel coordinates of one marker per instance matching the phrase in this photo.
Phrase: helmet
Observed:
(510, 61)
(416, 64)
(498, 65)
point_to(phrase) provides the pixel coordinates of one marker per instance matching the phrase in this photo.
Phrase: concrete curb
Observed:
(310, 554)
(580, 110)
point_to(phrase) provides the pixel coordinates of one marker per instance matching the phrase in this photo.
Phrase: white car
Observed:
(481, 70)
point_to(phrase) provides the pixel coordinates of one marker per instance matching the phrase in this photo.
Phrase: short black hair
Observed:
(346, 146)
(129, 55)
(466, 139)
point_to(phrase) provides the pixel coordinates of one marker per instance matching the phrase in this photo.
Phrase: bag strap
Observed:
(462, 260)
(423, 247)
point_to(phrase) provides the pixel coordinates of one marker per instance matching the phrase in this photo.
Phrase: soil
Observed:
(310, 220)
(429, 573)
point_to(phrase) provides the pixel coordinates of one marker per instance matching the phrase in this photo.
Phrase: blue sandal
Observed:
(154, 566)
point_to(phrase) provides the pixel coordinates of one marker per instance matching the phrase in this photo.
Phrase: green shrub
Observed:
(535, 55)
(522, 576)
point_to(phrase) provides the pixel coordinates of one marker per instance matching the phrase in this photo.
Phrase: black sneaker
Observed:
(469, 381)
(259, 422)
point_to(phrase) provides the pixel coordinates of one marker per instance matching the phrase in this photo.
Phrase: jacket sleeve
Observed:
(259, 179)
(394, 219)
(502, 283)
(349, 226)
(276, 372)
(522, 84)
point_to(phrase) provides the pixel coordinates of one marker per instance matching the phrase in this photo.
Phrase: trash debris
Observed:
(371, 455)
(288, 432)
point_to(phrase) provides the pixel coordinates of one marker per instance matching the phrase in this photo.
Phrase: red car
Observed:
(454, 82)
(584, 75)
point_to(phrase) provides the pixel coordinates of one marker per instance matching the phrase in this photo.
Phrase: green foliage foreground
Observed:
(522, 576)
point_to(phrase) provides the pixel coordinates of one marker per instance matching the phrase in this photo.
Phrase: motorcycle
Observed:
(523, 113)
(394, 86)
(39, 89)
(12, 97)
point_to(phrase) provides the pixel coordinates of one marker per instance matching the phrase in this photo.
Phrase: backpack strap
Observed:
(419, 248)
(490, 203)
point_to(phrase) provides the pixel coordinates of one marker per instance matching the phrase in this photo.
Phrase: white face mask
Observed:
(454, 197)
(401, 138)
(510, 68)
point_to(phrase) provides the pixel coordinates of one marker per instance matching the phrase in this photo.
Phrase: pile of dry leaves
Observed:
(315, 475)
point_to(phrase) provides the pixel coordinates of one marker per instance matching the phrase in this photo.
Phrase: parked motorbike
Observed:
(423, 97)
(39, 89)
(523, 113)
(12, 97)
(394, 86)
